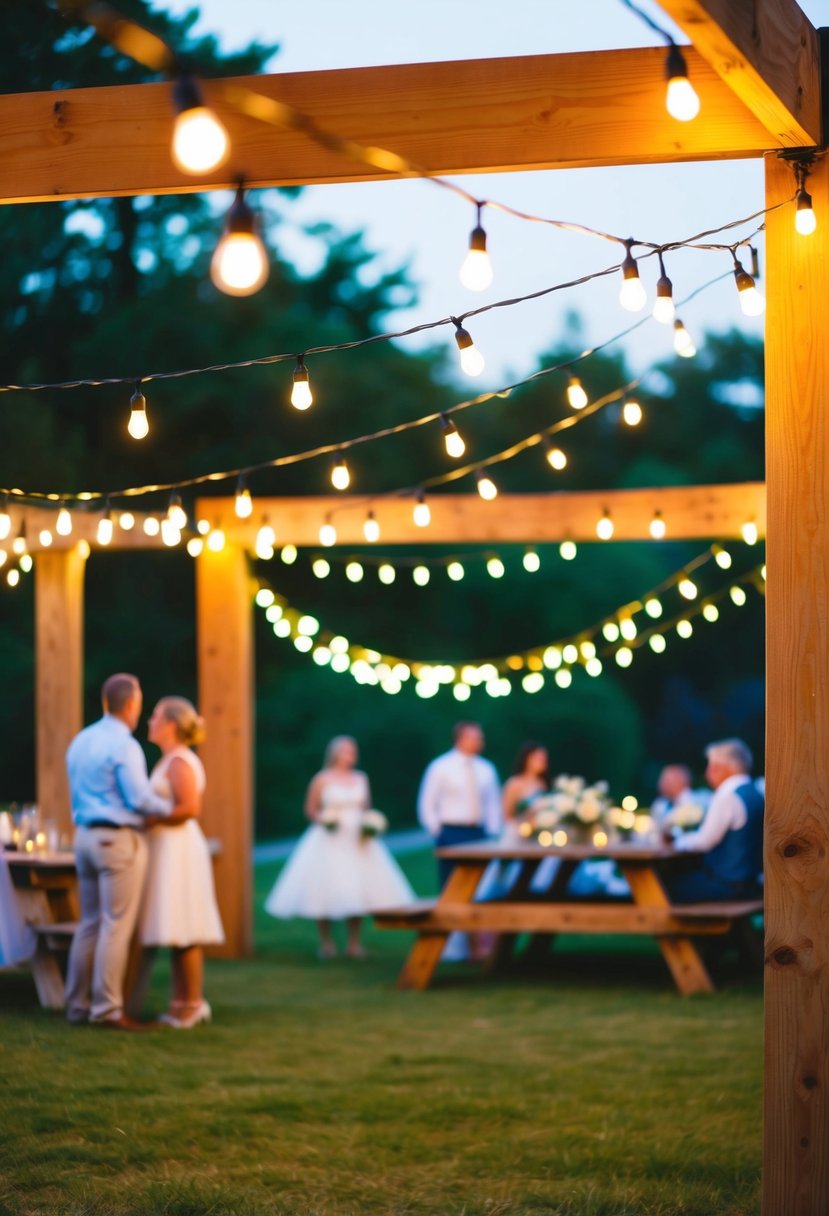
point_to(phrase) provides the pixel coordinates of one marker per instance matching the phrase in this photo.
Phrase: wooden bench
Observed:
(53, 941)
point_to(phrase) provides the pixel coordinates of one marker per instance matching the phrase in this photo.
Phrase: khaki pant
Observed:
(111, 865)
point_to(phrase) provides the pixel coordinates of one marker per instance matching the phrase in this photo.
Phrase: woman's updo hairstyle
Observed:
(189, 724)
(333, 748)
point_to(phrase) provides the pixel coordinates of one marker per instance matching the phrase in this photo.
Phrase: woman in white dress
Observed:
(179, 906)
(336, 872)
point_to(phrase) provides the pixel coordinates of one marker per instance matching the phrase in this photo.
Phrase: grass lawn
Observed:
(589, 1089)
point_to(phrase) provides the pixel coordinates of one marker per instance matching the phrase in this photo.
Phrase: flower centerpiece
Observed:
(572, 811)
(373, 823)
(685, 817)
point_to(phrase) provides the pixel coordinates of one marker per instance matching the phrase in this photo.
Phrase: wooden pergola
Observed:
(757, 67)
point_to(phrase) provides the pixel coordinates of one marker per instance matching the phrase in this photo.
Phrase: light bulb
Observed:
(531, 561)
(170, 534)
(711, 612)
(126, 521)
(632, 413)
(576, 396)
(216, 540)
(354, 572)
(632, 294)
(556, 459)
(386, 574)
(195, 545)
(627, 628)
(265, 537)
(45, 538)
(5, 520)
(664, 309)
(239, 267)
(138, 426)
(653, 607)
(320, 567)
(683, 343)
(605, 528)
(687, 588)
(472, 361)
(371, 529)
(568, 550)
(19, 543)
(455, 446)
(422, 515)
(751, 302)
(804, 216)
(301, 396)
(495, 567)
(455, 571)
(200, 141)
(624, 656)
(657, 643)
(288, 554)
(738, 596)
(176, 512)
(749, 532)
(684, 628)
(243, 504)
(657, 527)
(681, 99)
(476, 271)
(104, 532)
(722, 557)
(63, 524)
(151, 525)
(486, 486)
(13, 577)
(328, 535)
(421, 575)
(340, 476)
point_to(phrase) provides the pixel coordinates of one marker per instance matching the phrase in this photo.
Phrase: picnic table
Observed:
(522, 909)
(46, 889)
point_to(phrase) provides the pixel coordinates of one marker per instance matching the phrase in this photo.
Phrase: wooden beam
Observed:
(485, 115)
(225, 668)
(84, 528)
(690, 512)
(768, 53)
(59, 618)
(796, 1171)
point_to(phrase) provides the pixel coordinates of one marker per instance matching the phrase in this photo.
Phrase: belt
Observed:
(104, 823)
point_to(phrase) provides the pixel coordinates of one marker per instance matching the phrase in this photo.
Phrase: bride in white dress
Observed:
(336, 872)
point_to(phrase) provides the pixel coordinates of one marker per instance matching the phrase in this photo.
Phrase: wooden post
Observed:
(225, 657)
(59, 616)
(796, 1173)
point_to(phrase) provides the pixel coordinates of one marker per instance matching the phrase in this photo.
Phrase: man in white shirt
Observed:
(460, 795)
(729, 842)
(673, 789)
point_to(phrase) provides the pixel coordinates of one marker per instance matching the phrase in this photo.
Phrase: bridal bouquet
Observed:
(329, 819)
(373, 823)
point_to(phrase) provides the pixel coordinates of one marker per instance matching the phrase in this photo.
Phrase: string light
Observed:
(152, 526)
(215, 540)
(657, 527)
(722, 557)
(685, 629)
(750, 532)
(687, 588)
(664, 309)
(13, 577)
(321, 567)
(45, 538)
(104, 531)
(301, 396)
(265, 539)
(632, 413)
(711, 612)
(805, 221)
(486, 486)
(576, 396)
(568, 550)
(653, 607)
(472, 361)
(176, 512)
(452, 438)
(138, 426)
(495, 567)
(556, 459)
(627, 628)
(751, 302)
(288, 554)
(531, 561)
(683, 343)
(421, 515)
(455, 571)
(195, 545)
(5, 518)
(243, 504)
(386, 574)
(200, 141)
(126, 521)
(354, 572)
(328, 535)
(605, 527)
(610, 631)
(632, 294)
(476, 271)
(63, 524)
(239, 267)
(624, 656)
(170, 534)
(421, 575)
(340, 476)
(19, 545)
(681, 99)
(371, 529)
(657, 643)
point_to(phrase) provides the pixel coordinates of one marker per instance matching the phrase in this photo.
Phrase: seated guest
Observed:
(730, 838)
(673, 788)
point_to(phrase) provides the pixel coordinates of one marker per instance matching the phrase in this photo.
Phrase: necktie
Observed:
(473, 793)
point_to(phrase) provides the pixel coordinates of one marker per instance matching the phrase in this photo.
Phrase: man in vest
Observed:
(728, 845)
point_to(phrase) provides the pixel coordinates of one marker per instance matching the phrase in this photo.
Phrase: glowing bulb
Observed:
(627, 628)
(657, 643)
(265, 538)
(371, 529)
(711, 612)
(653, 607)
(563, 677)
(5, 520)
(289, 554)
(239, 266)
(195, 545)
(476, 271)
(532, 682)
(605, 528)
(683, 343)
(472, 361)
(593, 667)
(308, 626)
(138, 426)
(687, 588)
(556, 459)
(104, 532)
(751, 302)
(151, 526)
(63, 524)
(568, 550)
(26, 562)
(632, 294)
(455, 571)
(202, 527)
(610, 631)
(570, 654)
(264, 597)
(531, 561)
(632, 413)
(685, 629)
(19, 543)
(320, 567)
(681, 99)
(354, 572)
(624, 656)
(657, 526)
(664, 309)
(340, 476)
(495, 567)
(722, 557)
(422, 515)
(13, 577)
(749, 532)
(200, 141)
(126, 521)
(45, 540)
(738, 596)
(243, 504)
(421, 575)
(328, 535)
(804, 216)
(486, 486)
(176, 512)
(301, 396)
(455, 446)
(386, 574)
(216, 540)
(576, 396)
(170, 534)
(461, 692)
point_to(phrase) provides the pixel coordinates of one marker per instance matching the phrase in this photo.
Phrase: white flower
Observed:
(686, 815)
(329, 819)
(589, 809)
(373, 823)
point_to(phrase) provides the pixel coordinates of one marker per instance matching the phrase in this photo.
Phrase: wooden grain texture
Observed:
(59, 630)
(796, 1174)
(768, 53)
(689, 512)
(485, 115)
(225, 682)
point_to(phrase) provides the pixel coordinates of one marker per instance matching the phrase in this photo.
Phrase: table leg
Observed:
(682, 956)
(424, 955)
(504, 943)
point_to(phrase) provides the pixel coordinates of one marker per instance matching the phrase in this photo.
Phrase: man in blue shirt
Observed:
(111, 794)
